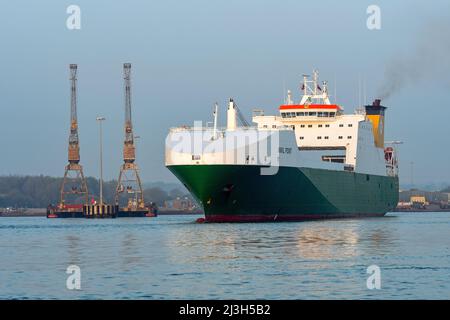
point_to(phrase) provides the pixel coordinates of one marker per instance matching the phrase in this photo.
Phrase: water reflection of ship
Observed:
(324, 242)
(216, 244)
(306, 241)
(343, 240)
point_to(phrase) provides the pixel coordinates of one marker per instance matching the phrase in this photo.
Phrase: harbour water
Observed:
(172, 257)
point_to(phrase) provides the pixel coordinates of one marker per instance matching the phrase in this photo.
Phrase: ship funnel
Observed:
(375, 114)
(231, 116)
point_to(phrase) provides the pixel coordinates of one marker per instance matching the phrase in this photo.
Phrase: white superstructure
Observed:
(313, 133)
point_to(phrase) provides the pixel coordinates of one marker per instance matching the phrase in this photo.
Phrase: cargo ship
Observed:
(309, 161)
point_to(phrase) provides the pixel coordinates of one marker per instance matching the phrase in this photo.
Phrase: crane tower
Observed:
(129, 182)
(74, 184)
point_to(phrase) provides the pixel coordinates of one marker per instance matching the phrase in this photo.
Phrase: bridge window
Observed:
(300, 114)
(312, 114)
(283, 114)
(325, 114)
(332, 114)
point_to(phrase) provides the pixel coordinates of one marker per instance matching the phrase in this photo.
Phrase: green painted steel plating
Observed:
(228, 191)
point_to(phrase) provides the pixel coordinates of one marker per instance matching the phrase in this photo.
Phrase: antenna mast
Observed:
(73, 175)
(129, 180)
(312, 92)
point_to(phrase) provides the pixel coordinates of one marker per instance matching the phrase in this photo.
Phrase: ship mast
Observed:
(73, 175)
(313, 93)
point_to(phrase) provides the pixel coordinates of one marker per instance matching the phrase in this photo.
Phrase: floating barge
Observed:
(136, 212)
(65, 211)
(83, 211)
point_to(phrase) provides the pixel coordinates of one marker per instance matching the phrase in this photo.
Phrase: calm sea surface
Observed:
(172, 257)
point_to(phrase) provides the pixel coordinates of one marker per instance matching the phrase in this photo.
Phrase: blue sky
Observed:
(186, 55)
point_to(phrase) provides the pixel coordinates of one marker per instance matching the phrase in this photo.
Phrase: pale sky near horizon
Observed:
(186, 55)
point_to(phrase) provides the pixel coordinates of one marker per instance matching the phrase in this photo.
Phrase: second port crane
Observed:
(129, 182)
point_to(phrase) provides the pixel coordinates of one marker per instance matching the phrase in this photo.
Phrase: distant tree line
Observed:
(40, 191)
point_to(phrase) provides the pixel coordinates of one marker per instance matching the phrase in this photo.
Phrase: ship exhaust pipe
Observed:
(376, 103)
(375, 114)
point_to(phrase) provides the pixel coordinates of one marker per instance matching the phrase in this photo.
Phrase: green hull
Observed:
(240, 193)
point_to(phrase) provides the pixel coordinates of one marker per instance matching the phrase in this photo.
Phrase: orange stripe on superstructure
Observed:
(311, 106)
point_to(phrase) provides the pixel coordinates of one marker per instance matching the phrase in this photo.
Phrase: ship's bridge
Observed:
(311, 112)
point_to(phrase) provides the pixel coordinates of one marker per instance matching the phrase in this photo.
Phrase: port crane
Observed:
(74, 183)
(129, 181)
